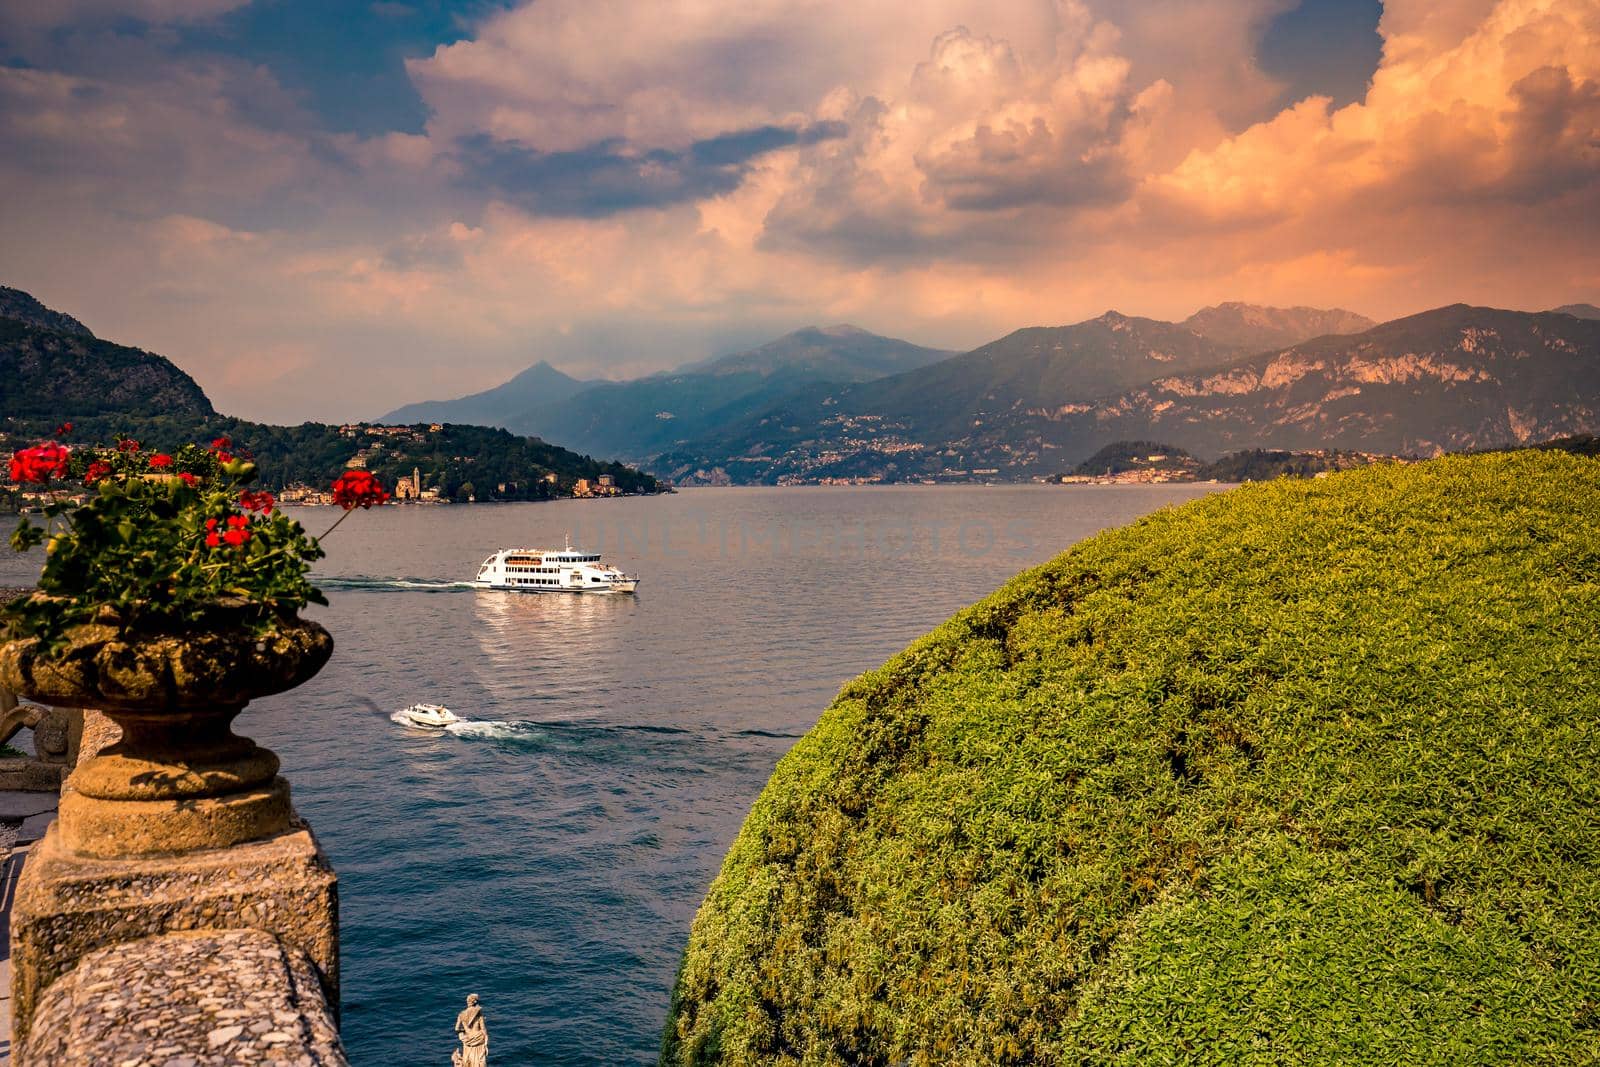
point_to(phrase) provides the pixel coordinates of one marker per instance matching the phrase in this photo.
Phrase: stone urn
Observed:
(179, 779)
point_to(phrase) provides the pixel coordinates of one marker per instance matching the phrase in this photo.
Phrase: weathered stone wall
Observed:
(68, 907)
(205, 999)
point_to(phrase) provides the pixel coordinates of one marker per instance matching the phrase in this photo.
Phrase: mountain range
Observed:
(665, 413)
(1446, 380)
(538, 386)
(1259, 328)
(644, 417)
(1041, 400)
(840, 402)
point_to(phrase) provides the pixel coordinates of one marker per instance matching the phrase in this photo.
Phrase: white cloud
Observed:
(1003, 165)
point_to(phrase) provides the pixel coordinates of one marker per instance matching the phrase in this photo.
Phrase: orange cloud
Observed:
(998, 166)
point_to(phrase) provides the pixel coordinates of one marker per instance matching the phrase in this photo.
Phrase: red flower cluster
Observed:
(188, 479)
(262, 501)
(64, 429)
(39, 463)
(220, 447)
(97, 470)
(127, 444)
(358, 489)
(236, 534)
(160, 461)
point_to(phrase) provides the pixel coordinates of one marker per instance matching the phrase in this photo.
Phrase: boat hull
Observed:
(611, 589)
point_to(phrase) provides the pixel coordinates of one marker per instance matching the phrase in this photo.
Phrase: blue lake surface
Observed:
(551, 854)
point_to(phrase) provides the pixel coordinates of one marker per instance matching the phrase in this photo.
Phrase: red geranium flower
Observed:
(221, 444)
(236, 533)
(64, 429)
(39, 463)
(97, 470)
(262, 501)
(160, 461)
(358, 489)
(188, 479)
(127, 444)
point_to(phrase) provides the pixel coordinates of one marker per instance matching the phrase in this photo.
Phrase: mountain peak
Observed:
(1578, 311)
(1259, 327)
(500, 406)
(24, 307)
(841, 353)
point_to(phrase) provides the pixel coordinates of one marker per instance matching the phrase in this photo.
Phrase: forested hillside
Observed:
(54, 371)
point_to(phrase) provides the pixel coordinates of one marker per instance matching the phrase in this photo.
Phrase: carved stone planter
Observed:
(179, 779)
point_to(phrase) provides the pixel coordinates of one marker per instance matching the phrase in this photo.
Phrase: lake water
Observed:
(550, 855)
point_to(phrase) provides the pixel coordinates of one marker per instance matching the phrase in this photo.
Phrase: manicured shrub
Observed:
(1305, 772)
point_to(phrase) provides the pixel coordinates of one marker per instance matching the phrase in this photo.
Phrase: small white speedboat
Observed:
(428, 716)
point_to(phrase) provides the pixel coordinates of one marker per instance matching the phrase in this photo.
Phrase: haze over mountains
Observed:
(539, 385)
(1259, 328)
(646, 416)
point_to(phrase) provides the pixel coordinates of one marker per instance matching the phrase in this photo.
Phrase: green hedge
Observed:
(1306, 772)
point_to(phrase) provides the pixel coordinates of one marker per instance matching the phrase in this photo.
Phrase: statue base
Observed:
(68, 905)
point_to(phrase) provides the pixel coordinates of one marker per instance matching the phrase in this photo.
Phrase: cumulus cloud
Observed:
(623, 185)
(1494, 125)
(611, 176)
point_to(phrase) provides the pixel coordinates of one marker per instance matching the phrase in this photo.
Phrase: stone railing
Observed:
(212, 997)
(177, 911)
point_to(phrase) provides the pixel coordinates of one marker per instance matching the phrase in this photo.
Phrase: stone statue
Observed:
(474, 1050)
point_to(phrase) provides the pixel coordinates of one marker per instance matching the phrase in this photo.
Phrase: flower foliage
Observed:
(160, 539)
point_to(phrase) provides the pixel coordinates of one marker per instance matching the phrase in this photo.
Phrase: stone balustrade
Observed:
(172, 931)
(202, 999)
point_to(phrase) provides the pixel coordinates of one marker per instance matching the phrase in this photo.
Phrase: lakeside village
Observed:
(1142, 463)
(409, 488)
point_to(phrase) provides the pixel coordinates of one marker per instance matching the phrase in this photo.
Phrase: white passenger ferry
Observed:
(542, 570)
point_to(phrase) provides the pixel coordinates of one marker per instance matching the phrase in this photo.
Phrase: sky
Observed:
(322, 209)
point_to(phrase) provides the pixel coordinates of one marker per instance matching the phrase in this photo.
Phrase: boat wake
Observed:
(380, 585)
(515, 730)
(479, 729)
